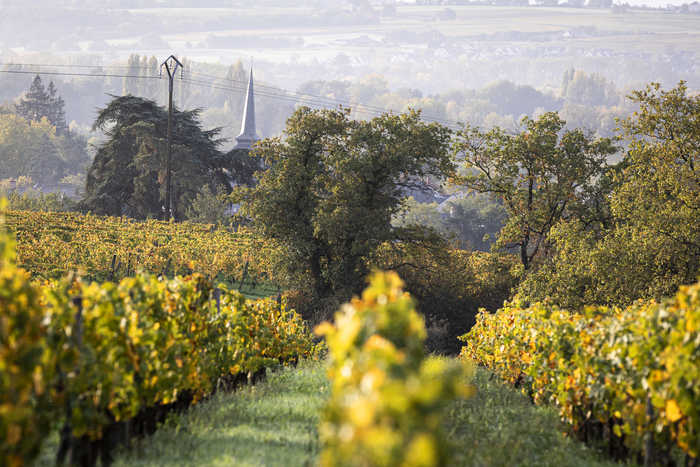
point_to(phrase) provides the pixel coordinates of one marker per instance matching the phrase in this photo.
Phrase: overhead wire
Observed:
(333, 100)
(315, 101)
(271, 92)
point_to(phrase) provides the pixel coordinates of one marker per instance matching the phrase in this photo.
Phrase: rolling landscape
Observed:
(349, 233)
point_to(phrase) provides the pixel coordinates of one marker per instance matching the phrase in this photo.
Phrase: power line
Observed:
(279, 94)
(62, 73)
(323, 98)
(360, 108)
(66, 66)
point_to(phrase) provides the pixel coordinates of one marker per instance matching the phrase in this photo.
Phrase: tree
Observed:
(661, 189)
(39, 102)
(56, 114)
(16, 140)
(207, 207)
(514, 99)
(130, 84)
(45, 165)
(473, 218)
(653, 246)
(589, 90)
(332, 188)
(542, 173)
(128, 172)
(469, 218)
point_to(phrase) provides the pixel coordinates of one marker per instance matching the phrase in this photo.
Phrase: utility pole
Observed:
(171, 65)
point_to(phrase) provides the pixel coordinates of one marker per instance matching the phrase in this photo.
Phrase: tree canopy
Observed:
(652, 245)
(39, 102)
(332, 187)
(542, 173)
(128, 172)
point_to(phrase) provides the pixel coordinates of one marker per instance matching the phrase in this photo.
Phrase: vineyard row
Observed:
(49, 245)
(627, 378)
(108, 358)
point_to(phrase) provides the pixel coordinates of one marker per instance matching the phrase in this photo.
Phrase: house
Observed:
(442, 53)
(62, 189)
(694, 7)
(508, 50)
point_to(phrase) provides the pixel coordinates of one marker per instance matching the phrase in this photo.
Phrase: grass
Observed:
(261, 290)
(274, 424)
(501, 427)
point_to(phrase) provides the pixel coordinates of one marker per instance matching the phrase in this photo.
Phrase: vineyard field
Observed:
(624, 378)
(49, 245)
(114, 359)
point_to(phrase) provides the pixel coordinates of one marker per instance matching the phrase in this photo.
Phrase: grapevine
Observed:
(634, 371)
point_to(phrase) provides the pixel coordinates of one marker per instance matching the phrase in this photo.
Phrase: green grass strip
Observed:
(502, 427)
(272, 423)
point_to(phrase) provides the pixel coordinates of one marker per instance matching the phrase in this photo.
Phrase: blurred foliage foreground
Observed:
(385, 407)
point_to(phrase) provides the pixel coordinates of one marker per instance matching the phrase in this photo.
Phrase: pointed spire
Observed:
(248, 135)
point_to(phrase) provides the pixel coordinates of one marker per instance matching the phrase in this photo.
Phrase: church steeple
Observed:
(248, 135)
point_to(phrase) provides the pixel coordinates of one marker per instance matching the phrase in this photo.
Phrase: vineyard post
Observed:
(649, 442)
(166, 267)
(114, 260)
(245, 271)
(217, 297)
(66, 444)
(116, 271)
(78, 304)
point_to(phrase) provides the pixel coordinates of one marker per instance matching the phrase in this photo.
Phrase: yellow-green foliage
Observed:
(385, 405)
(603, 364)
(51, 244)
(134, 344)
(22, 369)
(145, 340)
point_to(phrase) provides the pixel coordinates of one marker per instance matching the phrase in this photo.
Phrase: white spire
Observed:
(248, 135)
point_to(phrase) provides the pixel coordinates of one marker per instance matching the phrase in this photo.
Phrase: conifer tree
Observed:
(40, 102)
(128, 172)
(36, 103)
(56, 114)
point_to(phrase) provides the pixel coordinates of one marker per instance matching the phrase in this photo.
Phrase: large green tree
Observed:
(653, 245)
(16, 140)
(127, 176)
(332, 187)
(543, 173)
(661, 192)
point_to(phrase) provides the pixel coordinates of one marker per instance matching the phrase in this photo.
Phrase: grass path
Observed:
(501, 427)
(274, 424)
(270, 424)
